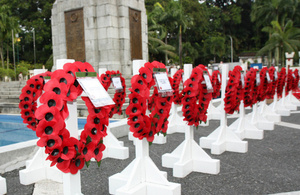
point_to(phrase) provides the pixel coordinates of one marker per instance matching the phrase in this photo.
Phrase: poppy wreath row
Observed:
(141, 125)
(29, 95)
(68, 153)
(119, 97)
(281, 82)
(216, 83)
(233, 93)
(289, 82)
(249, 90)
(263, 86)
(177, 78)
(196, 98)
(272, 87)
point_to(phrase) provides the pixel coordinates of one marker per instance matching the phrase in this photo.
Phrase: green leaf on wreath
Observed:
(99, 163)
(88, 139)
(156, 116)
(87, 163)
(165, 134)
(150, 143)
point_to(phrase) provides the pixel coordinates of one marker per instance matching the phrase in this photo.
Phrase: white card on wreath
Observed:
(163, 82)
(95, 91)
(117, 83)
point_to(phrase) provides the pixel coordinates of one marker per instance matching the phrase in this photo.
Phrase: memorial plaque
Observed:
(135, 34)
(75, 35)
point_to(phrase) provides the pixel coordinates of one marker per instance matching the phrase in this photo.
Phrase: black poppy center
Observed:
(49, 116)
(51, 103)
(38, 86)
(77, 162)
(55, 152)
(27, 113)
(144, 75)
(31, 85)
(97, 110)
(161, 111)
(57, 90)
(50, 142)
(134, 118)
(85, 150)
(29, 119)
(96, 151)
(60, 160)
(137, 90)
(48, 130)
(65, 150)
(135, 100)
(63, 80)
(25, 106)
(137, 125)
(94, 131)
(28, 92)
(26, 99)
(140, 82)
(96, 120)
(134, 110)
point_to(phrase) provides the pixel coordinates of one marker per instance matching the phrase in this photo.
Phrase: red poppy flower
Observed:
(146, 74)
(62, 165)
(26, 98)
(50, 114)
(52, 99)
(76, 164)
(25, 105)
(58, 88)
(88, 151)
(93, 131)
(134, 109)
(68, 150)
(63, 77)
(29, 118)
(98, 152)
(45, 127)
(51, 141)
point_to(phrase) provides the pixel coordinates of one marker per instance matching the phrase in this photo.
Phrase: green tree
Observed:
(215, 46)
(282, 39)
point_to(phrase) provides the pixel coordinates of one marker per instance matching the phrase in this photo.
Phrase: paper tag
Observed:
(117, 83)
(257, 79)
(95, 91)
(293, 76)
(208, 84)
(163, 84)
(268, 77)
(219, 78)
(275, 75)
(242, 79)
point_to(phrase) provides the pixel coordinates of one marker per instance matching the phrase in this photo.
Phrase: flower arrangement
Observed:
(196, 97)
(296, 80)
(177, 78)
(234, 93)
(249, 94)
(119, 97)
(289, 81)
(29, 95)
(272, 87)
(216, 82)
(281, 82)
(142, 125)
(263, 86)
(68, 153)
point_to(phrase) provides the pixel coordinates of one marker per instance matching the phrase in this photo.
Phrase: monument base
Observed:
(3, 188)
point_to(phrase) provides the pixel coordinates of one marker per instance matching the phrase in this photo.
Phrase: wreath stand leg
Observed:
(259, 120)
(293, 99)
(71, 182)
(213, 112)
(3, 189)
(176, 123)
(114, 148)
(283, 101)
(266, 111)
(142, 177)
(279, 108)
(223, 139)
(243, 128)
(190, 157)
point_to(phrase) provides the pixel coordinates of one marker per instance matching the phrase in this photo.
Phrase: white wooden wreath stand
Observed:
(142, 177)
(158, 139)
(243, 127)
(213, 112)
(279, 108)
(113, 147)
(223, 139)
(287, 104)
(267, 112)
(3, 189)
(38, 168)
(292, 99)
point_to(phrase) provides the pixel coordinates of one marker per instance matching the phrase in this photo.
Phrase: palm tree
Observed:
(215, 46)
(282, 39)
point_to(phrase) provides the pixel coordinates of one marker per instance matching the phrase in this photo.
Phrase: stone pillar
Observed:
(106, 32)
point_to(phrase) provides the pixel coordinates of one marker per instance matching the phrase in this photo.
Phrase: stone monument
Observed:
(106, 33)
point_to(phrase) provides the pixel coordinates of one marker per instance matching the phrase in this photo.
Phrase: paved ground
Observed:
(271, 165)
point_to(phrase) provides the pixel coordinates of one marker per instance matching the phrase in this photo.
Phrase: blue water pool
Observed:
(13, 130)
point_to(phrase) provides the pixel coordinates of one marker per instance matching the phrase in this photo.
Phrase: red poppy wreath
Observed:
(216, 83)
(250, 88)
(296, 80)
(29, 95)
(263, 86)
(272, 87)
(281, 82)
(119, 97)
(233, 93)
(196, 97)
(177, 78)
(68, 153)
(289, 81)
(141, 125)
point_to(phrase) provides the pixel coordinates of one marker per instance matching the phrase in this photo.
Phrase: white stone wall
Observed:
(107, 33)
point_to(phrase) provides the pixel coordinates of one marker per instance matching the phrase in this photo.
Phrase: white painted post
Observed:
(3, 188)
(113, 147)
(176, 123)
(267, 112)
(223, 139)
(189, 156)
